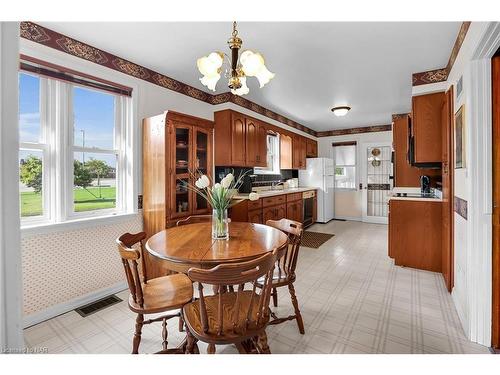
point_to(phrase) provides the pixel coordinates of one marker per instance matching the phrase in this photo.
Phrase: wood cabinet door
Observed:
(303, 153)
(296, 152)
(261, 146)
(286, 161)
(269, 213)
(294, 211)
(181, 162)
(238, 143)
(311, 148)
(255, 216)
(280, 212)
(203, 163)
(252, 142)
(426, 124)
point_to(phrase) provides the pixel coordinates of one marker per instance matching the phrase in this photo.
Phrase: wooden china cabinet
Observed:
(174, 146)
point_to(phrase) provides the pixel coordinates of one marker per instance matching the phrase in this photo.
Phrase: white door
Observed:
(375, 179)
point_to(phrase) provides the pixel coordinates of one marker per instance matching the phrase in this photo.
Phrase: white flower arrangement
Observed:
(219, 196)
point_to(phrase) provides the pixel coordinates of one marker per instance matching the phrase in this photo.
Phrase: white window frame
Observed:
(355, 165)
(275, 157)
(56, 121)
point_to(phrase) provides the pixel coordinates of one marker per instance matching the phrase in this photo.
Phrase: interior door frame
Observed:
(363, 179)
(495, 326)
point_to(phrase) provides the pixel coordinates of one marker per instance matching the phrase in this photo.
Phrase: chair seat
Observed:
(280, 278)
(230, 334)
(164, 293)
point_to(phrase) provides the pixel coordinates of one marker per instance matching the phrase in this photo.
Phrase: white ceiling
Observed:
(365, 65)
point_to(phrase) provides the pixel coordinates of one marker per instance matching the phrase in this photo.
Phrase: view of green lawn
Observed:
(85, 200)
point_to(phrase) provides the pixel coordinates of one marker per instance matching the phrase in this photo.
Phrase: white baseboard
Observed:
(64, 307)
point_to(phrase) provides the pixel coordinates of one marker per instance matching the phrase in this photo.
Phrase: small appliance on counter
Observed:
(293, 183)
(425, 185)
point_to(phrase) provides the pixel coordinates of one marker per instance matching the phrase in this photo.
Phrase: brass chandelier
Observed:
(248, 64)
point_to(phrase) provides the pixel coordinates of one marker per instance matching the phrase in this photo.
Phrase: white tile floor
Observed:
(353, 300)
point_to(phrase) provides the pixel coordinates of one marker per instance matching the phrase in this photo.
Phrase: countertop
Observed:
(415, 199)
(270, 193)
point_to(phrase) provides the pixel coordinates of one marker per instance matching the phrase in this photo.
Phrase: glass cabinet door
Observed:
(202, 164)
(181, 204)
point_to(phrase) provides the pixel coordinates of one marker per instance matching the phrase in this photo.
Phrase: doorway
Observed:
(495, 84)
(376, 171)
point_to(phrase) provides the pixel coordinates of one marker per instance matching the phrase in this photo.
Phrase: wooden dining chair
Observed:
(151, 296)
(284, 272)
(194, 219)
(227, 317)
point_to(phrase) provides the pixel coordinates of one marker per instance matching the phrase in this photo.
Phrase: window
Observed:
(345, 166)
(272, 156)
(72, 162)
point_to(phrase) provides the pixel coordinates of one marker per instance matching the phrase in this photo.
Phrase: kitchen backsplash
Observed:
(260, 179)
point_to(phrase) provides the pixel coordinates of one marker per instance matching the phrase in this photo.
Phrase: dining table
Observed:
(187, 246)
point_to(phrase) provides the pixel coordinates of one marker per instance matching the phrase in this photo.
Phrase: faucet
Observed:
(276, 184)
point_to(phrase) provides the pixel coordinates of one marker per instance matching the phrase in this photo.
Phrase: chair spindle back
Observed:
(130, 257)
(294, 230)
(238, 317)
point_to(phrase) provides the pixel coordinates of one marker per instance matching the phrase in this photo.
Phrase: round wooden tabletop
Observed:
(192, 245)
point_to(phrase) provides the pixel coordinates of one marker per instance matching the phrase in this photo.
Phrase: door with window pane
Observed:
(181, 204)
(377, 186)
(202, 159)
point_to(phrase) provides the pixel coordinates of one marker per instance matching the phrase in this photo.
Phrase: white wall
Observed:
(10, 259)
(348, 204)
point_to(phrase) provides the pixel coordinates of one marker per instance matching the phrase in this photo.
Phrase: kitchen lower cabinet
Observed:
(274, 213)
(415, 233)
(255, 216)
(294, 211)
(276, 207)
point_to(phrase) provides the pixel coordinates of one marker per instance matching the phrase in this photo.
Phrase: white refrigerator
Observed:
(319, 173)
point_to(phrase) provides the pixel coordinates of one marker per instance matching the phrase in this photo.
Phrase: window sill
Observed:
(80, 223)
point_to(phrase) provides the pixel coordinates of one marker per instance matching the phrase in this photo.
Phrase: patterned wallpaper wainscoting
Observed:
(61, 266)
(461, 207)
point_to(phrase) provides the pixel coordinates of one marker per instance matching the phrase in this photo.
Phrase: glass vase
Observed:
(220, 224)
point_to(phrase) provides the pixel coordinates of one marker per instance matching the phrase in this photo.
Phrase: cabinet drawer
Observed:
(271, 201)
(253, 205)
(293, 197)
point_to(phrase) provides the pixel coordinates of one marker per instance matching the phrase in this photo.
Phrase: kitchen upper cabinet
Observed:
(298, 152)
(262, 145)
(240, 140)
(252, 142)
(311, 148)
(406, 175)
(426, 128)
(286, 161)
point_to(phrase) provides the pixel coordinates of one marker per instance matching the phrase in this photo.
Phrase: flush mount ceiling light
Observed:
(341, 111)
(250, 64)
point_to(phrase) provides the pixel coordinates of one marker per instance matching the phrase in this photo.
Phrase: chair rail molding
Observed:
(479, 255)
(11, 335)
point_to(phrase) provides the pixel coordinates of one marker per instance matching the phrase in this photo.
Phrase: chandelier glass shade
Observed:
(239, 67)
